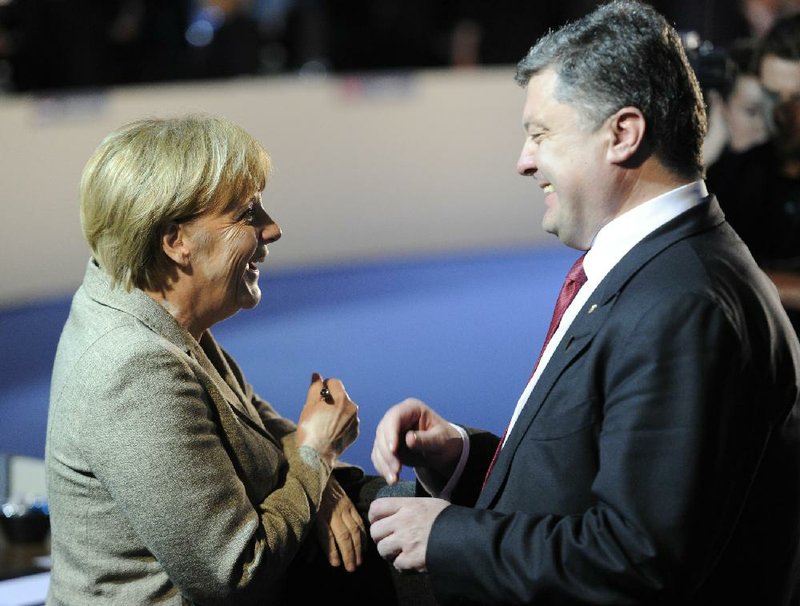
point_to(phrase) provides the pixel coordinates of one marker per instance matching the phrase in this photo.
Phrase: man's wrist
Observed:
(440, 485)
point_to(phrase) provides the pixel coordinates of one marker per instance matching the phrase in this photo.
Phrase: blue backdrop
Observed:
(459, 331)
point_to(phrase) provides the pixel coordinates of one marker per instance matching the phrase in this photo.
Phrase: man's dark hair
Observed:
(624, 53)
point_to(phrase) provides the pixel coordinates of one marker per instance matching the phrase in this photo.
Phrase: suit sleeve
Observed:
(677, 444)
(482, 445)
(154, 442)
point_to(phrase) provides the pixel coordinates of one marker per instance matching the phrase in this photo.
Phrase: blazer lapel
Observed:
(222, 392)
(159, 320)
(591, 317)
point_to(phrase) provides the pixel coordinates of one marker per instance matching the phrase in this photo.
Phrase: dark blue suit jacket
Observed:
(657, 460)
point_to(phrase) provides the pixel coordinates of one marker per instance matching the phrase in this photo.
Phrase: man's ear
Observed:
(627, 129)
(173, 243)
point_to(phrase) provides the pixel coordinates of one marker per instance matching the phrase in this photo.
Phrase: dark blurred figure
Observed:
(387, 34)
(760, 188)
(223, 40)
(719, 22)
(294, 35)
(73, 44)
(762, 14)
(737, 111)
(162, 47)
(58, 44)
(491, 33)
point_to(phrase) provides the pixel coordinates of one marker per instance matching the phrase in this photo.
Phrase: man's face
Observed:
(567, 159)
(780, 79)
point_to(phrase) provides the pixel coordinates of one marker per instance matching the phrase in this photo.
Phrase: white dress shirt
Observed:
(612, 242)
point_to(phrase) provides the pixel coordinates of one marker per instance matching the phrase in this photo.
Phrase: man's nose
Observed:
(526, 164)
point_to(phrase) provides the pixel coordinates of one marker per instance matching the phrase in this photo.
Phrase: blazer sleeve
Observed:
(677, 449)
(152, 438)
(284, 429)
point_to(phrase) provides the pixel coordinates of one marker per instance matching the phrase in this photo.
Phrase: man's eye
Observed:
(249, 214)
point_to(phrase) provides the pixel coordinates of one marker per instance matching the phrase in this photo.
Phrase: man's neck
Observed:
(649, 181)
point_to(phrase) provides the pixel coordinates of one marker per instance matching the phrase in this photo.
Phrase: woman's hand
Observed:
(329, 420)
(340, 529)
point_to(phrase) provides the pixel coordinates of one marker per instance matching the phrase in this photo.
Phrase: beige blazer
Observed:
(169, 480)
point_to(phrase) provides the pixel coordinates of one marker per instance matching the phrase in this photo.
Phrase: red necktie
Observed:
(576, 278)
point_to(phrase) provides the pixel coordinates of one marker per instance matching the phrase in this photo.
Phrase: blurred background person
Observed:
(762, 14)
(62, 44)
(760, 188)
(168, 478)
(737, 112)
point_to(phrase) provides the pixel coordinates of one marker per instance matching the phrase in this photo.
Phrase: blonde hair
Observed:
(155, 171)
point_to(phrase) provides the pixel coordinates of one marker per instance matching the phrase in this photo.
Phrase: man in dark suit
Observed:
(654, 456)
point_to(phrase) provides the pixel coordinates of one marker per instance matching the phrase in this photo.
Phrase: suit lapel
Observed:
(575, 342)
(591, 317)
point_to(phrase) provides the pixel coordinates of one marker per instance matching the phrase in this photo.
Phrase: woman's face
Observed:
(745, 114)
(225, 247)
(780, 79)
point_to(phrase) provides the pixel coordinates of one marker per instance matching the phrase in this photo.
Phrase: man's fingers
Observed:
(383, 458)
(386, 468)
(385, 507)
(388, 549)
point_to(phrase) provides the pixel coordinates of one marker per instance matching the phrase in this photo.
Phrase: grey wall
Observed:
(365, 167)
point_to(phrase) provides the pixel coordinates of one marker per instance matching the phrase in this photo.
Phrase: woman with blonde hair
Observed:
(169, 480)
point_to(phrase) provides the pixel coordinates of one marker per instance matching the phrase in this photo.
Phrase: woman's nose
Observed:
(271, 232)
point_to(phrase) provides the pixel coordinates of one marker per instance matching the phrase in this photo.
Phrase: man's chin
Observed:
(550, 227)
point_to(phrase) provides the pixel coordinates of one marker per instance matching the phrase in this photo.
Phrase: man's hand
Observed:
(401, 526)
(340, 529)
(412, 433)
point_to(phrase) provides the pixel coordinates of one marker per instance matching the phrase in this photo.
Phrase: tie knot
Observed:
(576, 273)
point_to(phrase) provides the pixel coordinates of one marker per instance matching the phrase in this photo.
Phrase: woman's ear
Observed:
(173, 243)
(627, 129)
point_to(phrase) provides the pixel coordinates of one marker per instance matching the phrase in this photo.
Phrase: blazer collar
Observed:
(222, 384)
(591, 317)
(136, 303)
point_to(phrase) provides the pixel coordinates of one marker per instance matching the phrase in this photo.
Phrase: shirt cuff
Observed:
(456, 476)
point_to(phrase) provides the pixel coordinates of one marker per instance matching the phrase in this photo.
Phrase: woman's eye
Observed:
(249, 214)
